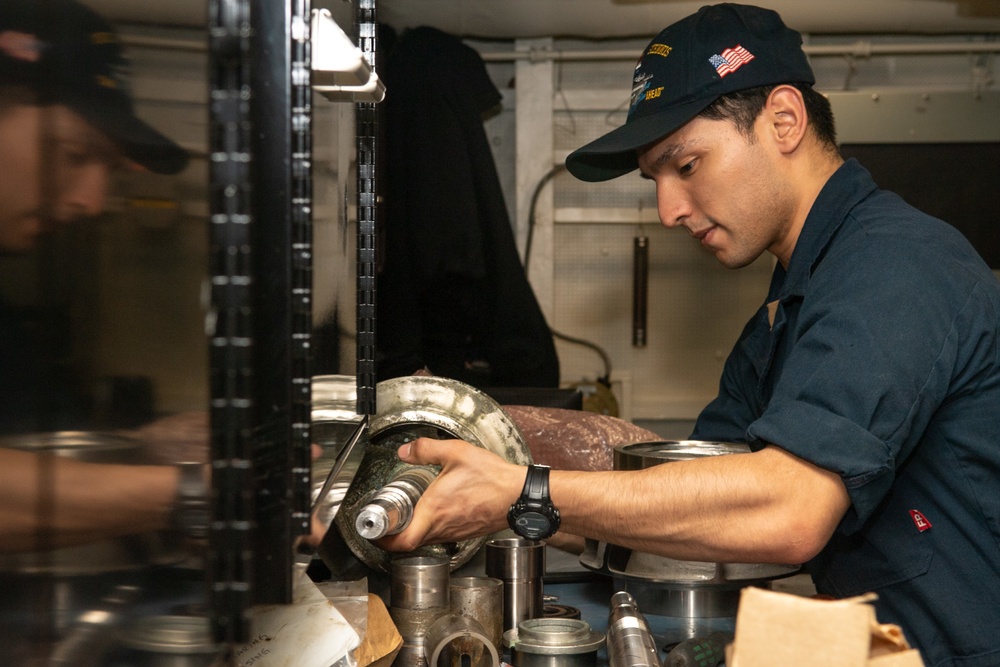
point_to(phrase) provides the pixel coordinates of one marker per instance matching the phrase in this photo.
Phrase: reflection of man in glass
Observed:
(66, 122)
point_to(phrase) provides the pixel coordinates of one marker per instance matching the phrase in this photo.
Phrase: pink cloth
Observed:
(574, 439)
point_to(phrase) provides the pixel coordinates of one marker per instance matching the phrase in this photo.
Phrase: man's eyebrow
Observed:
(668, 153)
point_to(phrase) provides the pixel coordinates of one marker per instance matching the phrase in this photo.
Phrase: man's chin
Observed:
(731, 261)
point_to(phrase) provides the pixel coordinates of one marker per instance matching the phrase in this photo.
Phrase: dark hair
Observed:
(744, 106)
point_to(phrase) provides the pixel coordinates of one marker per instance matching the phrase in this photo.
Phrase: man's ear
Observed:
(787, 121)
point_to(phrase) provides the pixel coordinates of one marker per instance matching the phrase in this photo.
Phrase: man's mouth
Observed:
(701, 234)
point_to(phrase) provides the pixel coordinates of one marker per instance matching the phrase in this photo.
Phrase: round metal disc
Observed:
(411, 407)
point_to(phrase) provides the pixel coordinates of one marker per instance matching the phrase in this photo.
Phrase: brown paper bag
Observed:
(783, 629)
(382, 640)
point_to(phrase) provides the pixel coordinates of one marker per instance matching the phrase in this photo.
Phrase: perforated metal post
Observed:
(302, 273)
(261, 253)
(366, 120)
(229, 558)
(280, 113)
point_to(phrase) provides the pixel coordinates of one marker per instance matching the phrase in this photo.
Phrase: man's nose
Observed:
(672, 205)
(86, 194)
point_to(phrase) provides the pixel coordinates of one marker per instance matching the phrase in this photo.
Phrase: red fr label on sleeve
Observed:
(920, 520)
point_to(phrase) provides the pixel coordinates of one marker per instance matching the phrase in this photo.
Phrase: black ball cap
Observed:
(721, 49)
(69, 55)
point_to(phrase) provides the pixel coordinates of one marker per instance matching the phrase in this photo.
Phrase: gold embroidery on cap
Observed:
(653, 93)
(659, 50)
(105, 81)
(99, 38)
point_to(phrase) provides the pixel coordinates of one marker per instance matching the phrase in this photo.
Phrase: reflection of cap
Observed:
(69, 55)
(719, 50)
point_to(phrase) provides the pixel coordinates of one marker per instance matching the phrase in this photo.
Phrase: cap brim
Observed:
(614, 154)
(138, 141)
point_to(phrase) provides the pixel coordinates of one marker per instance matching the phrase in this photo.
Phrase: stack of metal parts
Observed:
(553, 642)
(696, 592)
(436, 632)
(480, 598)
(520, 565)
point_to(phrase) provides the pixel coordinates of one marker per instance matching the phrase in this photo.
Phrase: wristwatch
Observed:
(533, 516)
(190, 515)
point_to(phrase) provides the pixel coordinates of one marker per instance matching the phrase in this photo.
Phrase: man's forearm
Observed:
(763, 507)
(50, 501)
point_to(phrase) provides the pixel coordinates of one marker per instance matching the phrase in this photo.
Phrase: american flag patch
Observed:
(730, 60)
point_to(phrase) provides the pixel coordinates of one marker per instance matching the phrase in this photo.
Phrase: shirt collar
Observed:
(850, 184)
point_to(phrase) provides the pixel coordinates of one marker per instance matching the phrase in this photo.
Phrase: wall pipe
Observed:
(859, 49)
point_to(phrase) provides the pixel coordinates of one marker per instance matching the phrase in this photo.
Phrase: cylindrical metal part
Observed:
(170, 641)
(418, 596)
(459, 641)
(630, 641)
(481, 599)
(520, 565)
(553, 642)
(391, 508)
(419, 582)
(690, 600)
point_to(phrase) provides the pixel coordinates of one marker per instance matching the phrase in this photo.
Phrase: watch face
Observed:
(532, 525)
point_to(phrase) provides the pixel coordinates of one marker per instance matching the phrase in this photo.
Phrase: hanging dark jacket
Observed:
(452, 293)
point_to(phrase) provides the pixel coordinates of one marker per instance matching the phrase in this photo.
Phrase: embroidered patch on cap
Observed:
(730, 60)
(659, 50)
(920, 520)
(639, 85)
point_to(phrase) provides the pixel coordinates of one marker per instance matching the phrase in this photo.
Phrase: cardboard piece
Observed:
(367, 614)
(382, 640)
(783, 629)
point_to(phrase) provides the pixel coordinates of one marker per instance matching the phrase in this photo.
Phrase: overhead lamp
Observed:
(340, 71)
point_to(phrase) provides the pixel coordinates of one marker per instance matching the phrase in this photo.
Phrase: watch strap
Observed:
(536, 482)
(191, 512)
(533, 516)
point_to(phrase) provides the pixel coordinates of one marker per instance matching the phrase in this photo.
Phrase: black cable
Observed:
(606, 379)
(605, 357)
(531, 210)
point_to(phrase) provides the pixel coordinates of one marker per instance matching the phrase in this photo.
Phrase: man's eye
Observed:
(686, 168)
(75, 155)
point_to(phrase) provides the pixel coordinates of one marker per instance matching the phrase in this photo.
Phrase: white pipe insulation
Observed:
(508, 19)
(857, 49)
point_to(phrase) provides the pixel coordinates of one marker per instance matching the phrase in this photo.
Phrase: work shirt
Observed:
(875, 356)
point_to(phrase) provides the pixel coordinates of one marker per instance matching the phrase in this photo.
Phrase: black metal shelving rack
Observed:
(366, 124)
(261, 274)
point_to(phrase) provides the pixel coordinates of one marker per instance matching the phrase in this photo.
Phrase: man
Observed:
(66, 122)
(866, 385)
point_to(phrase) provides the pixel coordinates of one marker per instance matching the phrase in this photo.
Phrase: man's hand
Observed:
(469, 498)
